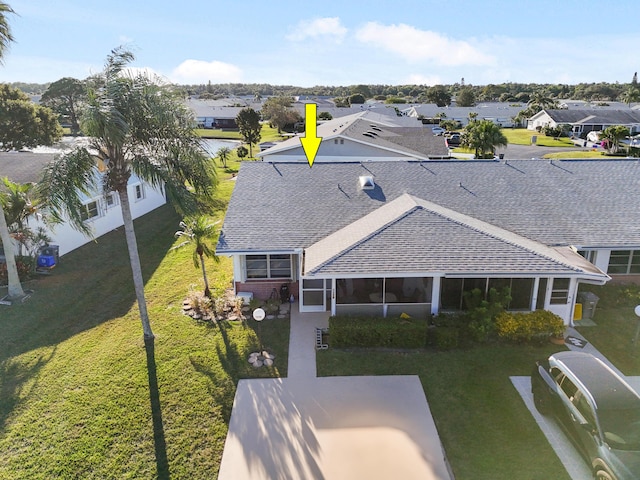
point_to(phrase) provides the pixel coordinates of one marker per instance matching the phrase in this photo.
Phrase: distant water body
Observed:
(211, 145)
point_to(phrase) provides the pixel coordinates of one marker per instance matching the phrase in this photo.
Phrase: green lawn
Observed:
(485, 427)
(80, 397)
(522, 136)
(75, 395)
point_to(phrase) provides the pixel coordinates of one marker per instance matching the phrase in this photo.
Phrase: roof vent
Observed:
(366, 182)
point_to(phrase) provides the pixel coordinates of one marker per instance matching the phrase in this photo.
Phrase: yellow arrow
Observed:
(310, 142)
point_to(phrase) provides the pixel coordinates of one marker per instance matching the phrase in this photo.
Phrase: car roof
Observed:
(607, 388)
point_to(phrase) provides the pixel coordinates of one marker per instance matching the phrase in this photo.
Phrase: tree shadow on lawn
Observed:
(90, 285)
(160, 444)
(13, 376)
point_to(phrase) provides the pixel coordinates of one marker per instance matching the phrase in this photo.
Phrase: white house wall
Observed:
(68, 239)
(329, 151)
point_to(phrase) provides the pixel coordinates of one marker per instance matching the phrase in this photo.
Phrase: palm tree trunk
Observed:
(134, 258)
(15, 288)
(207, 292)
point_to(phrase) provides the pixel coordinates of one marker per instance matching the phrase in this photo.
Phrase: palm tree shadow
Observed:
(162, 463)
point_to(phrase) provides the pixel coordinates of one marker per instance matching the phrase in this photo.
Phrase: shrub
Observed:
(525, 327)
(25, 265)
(366, 332)
(482, 312)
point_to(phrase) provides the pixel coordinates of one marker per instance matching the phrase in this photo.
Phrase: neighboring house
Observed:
(102, 212)
(365, 136)
(215, 114)
(409, 236)
(587, 120)
(502, 114)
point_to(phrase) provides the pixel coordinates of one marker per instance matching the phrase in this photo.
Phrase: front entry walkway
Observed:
(304, 427)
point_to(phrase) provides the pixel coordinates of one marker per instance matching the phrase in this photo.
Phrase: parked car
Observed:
(597, 408)
(438, 130)
(453, 140)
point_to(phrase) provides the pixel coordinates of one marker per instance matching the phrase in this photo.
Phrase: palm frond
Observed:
(64, 183)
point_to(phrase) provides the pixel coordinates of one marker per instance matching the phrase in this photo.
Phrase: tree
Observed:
(483, 136)
(136, 127)
(223, 153)
(23, 124)
(248, 121)
(356, 99)
(242, 151)
(278, 112)
(5, 32)
(325, 116)
(439, 95)
(64, 97)
(612, 136)
(465, 98)
(197, 231)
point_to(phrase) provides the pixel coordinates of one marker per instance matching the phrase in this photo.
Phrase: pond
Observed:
(212, 145)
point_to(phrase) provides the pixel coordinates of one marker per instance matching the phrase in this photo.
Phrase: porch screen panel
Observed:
(257, 266)
(521, 294)
(451, 293)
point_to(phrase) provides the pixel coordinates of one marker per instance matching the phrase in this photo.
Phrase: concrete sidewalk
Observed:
(344, 428)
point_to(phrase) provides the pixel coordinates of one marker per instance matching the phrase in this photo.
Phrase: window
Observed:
(268, 266)
(111, 200)
(90, 210)
(624, 261)
(560, 292)
(138, 192)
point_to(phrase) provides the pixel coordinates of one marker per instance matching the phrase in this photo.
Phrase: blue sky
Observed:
(326, 42)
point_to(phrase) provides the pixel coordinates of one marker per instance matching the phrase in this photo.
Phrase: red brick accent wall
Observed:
(262, 289)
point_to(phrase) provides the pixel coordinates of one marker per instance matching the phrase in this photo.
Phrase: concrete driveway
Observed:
(334, 428)
(576, 466)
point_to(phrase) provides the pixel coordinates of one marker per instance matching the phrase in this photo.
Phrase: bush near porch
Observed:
(347, 331)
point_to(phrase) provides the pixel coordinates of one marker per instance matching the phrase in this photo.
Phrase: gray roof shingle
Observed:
(586, 203)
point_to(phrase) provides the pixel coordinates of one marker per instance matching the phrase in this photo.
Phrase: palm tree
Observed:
(223, 154)
(15, 290)
(136, 128)
(5, 31)
(483, 136)
(18, 207)
(197, 231)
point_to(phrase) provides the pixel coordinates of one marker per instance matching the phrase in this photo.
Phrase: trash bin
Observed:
(589, 300)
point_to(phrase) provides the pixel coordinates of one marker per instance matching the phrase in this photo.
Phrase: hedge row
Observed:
(392, 332)
(524, 327)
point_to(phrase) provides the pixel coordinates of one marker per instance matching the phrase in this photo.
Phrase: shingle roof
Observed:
(595, 116)
(23, 167)
(389, 133)
(586, 203)
(430, 237)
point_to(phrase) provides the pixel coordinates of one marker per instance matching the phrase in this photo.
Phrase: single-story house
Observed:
(408, 236)
(102, 212)
(502, 114)
(365, 136)
(587, 120)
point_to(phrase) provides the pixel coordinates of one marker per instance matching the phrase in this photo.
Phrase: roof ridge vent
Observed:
(366, 182)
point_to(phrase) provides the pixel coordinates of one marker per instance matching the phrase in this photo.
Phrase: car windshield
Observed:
(621, 428)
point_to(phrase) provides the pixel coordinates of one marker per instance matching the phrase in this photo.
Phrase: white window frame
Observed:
(138, 192)
(269, 259)
(111, 200)
(87, 210)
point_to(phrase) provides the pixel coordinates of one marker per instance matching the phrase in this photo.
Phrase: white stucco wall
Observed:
(110, 217)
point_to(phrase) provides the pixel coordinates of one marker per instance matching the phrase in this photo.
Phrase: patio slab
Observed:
(332, 428)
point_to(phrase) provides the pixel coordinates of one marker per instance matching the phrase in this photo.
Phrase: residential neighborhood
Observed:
(325, 241)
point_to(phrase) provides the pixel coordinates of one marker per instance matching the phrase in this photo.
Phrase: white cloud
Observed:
(419, 79)
(417, 45)
(199, 71)
(327, 28)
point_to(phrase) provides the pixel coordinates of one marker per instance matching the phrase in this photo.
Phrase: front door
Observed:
(313, 294)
